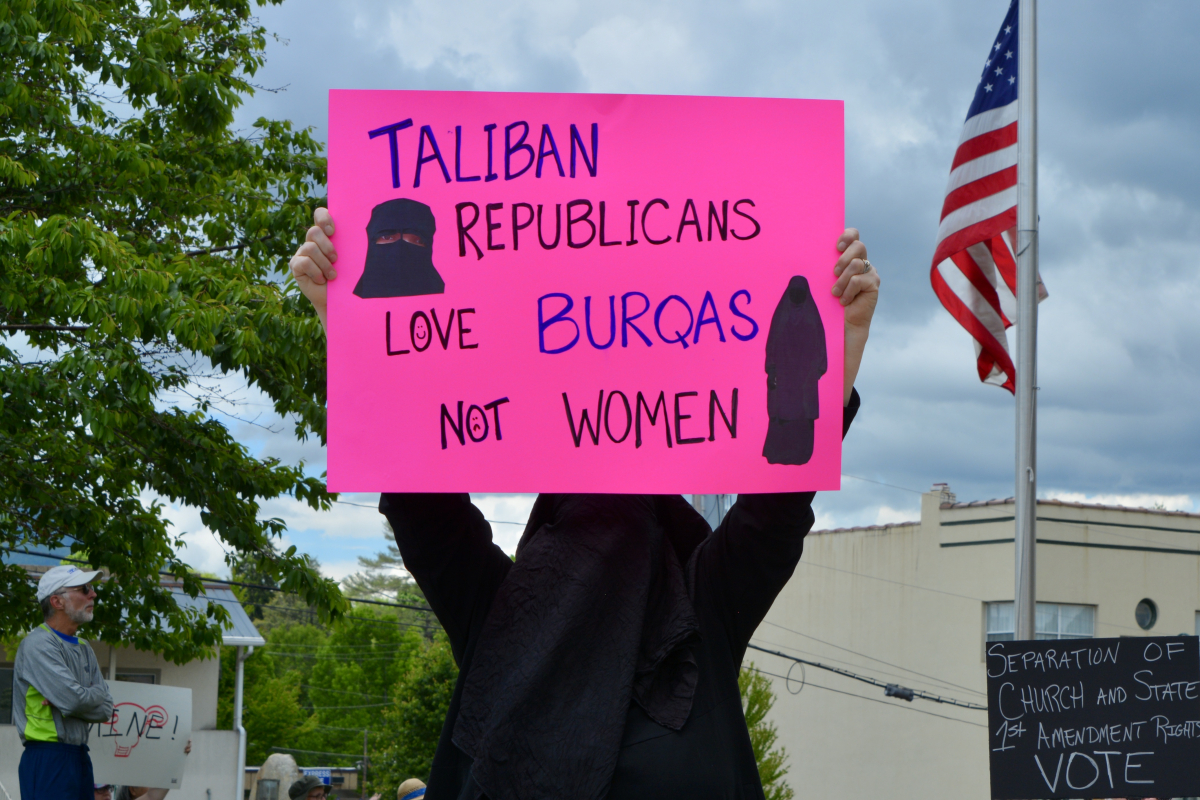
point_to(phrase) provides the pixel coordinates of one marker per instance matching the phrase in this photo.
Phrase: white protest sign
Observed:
(143, 743)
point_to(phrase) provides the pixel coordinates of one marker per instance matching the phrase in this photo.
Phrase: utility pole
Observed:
(1025, 498)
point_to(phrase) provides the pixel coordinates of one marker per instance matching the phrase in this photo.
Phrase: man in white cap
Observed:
(58, 691)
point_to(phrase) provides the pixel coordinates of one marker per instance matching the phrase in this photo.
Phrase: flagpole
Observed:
(1027, 276)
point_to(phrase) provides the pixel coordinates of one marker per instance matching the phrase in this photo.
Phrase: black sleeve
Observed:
(447, 545)
(752, 554)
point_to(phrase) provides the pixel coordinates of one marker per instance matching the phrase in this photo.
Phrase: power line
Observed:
(307, 613)
(317, 752)
(329, 646)
(889, 580)
(929, 680)
(881, 483)
(342, 691)
(872, 699)
(872, 658)
(892, 689)
(329, 657)
(356, 730)
(300, 612)
(227, 583)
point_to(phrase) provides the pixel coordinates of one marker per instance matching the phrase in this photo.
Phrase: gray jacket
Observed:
(57, 688)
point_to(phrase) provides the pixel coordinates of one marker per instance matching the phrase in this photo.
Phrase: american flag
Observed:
(974, 269)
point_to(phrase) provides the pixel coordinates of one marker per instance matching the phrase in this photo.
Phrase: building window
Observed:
(1051, 621)
(149, 677)
(6, 695)
(1146, 614)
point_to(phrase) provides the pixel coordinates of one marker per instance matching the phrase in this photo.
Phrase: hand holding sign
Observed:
(312, 266)
(858, 289)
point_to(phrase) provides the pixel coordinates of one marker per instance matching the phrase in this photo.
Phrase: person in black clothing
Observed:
(603, 662)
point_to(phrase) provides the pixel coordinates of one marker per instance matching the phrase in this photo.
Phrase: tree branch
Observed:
(70, 328)
(241, 246)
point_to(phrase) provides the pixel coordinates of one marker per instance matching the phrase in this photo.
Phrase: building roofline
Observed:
(888, 526)
(1008, 501)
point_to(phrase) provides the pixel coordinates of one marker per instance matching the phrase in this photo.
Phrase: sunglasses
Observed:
(87, 590)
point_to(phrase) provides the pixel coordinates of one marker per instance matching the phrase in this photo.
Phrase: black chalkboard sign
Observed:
(1084, 718)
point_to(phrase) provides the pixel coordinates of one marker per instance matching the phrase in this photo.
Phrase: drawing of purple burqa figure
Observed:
(796, 360)
(400, 252)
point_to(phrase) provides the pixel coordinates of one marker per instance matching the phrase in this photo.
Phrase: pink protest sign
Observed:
(584, 293)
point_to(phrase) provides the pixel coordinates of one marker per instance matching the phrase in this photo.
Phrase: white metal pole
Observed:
(239, 671)
(1027, 272)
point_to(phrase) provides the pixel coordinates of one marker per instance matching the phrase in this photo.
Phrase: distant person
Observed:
(411, 789)
(58, 691)
(102, 791)
(308, 788)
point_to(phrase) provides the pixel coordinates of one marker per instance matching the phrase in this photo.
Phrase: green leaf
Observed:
(757, 700)
(108, 224)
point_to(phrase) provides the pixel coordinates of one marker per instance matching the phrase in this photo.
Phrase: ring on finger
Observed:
(866, 266)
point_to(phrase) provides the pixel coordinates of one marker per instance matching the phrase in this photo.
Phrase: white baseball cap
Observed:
(62, 577)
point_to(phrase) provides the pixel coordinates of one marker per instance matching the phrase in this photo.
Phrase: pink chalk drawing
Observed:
(129, 723)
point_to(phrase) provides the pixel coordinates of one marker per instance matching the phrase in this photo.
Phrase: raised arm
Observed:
(447, 545)
(749, 558)
(443, 538)
(752, 554)
(857, 287)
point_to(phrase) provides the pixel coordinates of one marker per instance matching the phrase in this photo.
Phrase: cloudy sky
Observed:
(1120, 214)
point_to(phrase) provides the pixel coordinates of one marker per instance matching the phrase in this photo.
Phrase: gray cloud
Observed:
(1120, 206)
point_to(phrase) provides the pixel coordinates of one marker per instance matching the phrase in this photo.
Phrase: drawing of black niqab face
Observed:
(400, 252)
(798, 291)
